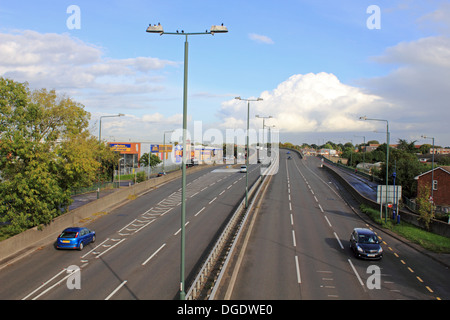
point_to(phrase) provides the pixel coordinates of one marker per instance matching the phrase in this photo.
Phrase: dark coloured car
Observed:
(365, 244)
(75, 238)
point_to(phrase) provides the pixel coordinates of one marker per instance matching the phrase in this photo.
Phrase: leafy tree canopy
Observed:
(46, 151)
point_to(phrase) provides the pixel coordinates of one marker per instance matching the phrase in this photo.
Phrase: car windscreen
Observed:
(367, 239)
(68, 234)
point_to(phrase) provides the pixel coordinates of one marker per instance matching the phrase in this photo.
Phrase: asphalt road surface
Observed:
(299, 247)
(137, 251)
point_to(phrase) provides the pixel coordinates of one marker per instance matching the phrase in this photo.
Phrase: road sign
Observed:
(388, 197)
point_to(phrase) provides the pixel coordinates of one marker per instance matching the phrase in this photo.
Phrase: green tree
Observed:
(45, 151)
(154, 160)
(407, 146)
(425, 208)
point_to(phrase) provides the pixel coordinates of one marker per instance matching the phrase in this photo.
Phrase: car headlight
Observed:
(359, 249)
(380, 250)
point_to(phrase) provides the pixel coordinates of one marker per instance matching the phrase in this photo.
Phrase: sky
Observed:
(318, 66)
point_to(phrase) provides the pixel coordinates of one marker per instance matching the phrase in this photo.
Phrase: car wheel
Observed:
(81, 246)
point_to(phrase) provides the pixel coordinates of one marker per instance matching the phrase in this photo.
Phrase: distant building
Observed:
(441, 186)
(440, 150)
(130, 152)
(328, 152)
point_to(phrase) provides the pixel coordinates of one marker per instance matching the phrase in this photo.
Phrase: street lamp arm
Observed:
(159, 29)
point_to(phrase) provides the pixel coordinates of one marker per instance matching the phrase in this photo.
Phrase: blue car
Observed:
(75, 238)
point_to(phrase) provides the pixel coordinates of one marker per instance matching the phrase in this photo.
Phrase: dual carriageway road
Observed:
(137, 251)
(298, 247)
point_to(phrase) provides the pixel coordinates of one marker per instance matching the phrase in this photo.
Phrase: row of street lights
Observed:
(247, 144)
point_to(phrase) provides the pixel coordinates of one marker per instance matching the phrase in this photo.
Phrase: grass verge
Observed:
(427, 240)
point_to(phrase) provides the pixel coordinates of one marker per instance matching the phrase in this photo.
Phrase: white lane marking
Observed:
(293, 238)
(154, 254)
(115, 290)
(328, 221)
(179, 230)
(213, 200)
(337, 238)
(94, 248)
(44, 284)
(199, 211)
(297, 266)
(98, 256)
(356, 272)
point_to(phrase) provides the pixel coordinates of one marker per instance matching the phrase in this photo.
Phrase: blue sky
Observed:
(316, 63)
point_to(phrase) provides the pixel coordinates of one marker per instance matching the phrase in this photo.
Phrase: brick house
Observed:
(441, 186)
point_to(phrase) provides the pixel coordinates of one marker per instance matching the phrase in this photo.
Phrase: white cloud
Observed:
(437, 20)
(419, 86)
(147, 127)
(260, 38)
(59, 61)
(307, 103)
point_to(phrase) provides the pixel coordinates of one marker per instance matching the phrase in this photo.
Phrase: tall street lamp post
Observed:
(99, 140)
(165, 151)
(159, 29)
(247, 143)
(387, 157)
(264, 119)
(100, 124)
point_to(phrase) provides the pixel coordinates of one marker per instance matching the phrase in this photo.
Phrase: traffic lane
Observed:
(325, 270)
(21, 277)
(398, 282)
(268, 269)
(340, 220)
(343, 220)
(135, 248)
(204, 217)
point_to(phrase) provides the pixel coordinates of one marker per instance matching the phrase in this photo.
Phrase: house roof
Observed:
(443, 168)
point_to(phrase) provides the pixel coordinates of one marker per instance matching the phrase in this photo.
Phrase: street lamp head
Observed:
(155, 29)
(238, 98)
(363, 118)
(121, 115)
(259, 99)
(218, 29)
